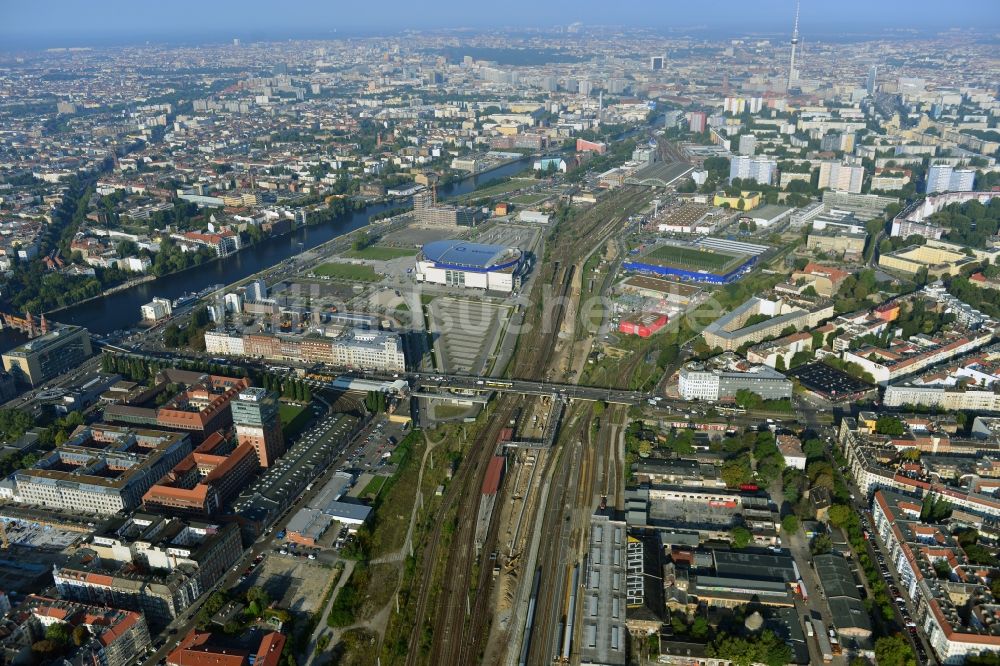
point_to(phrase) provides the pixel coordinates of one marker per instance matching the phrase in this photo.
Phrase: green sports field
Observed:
(354, 272)
(692, 259)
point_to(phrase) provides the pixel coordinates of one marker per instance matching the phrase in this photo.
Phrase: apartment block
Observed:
(101, 469)
(148, 563)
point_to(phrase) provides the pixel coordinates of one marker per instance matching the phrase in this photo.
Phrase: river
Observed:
(121, 310)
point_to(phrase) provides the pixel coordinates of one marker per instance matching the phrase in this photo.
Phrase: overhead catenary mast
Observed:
(792, 74)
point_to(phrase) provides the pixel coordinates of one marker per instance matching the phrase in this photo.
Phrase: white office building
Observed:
(156, 310)
(233, 302)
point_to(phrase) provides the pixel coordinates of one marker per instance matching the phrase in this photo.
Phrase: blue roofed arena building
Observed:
(458, 263)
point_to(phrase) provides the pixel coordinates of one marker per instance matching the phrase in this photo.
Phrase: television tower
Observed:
(792, 74)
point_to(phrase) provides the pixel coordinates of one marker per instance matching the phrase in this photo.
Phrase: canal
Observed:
(121, 310)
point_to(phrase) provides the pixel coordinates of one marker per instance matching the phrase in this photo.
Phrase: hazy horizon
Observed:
(65, 23)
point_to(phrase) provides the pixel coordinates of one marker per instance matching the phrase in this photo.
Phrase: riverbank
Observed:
(120, 310)
(128, 284)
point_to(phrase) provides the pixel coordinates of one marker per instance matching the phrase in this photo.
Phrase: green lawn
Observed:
(353, 272)
(375, 485)
(529, 199)
(693, 259)
(376, 253)
(496, 190)
(450, 411)
(293, 420)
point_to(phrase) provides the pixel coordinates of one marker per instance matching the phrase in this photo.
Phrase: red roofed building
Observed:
(205, 479)
(643, 325)
(955, 607)
(887, 311)
(826, 280)
(198, 649)
(584, 146)
(201, 408)
(223, 243)
(114, 636)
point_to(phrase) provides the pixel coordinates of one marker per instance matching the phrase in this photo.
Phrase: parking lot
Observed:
(829, 382)
(469, 332)
(374, 446)
(510, 235)
(295, 583)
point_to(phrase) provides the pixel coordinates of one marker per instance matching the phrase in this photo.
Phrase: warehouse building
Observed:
(840, 588)
(604, 604)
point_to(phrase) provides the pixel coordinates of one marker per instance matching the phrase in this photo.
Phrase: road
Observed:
(879, 554)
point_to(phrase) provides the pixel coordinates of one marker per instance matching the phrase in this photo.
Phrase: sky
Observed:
(45, 23)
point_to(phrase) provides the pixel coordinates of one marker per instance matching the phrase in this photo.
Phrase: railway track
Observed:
(450, 637)
(533, 360)
(460, 625)
(467, 479)
(573, 476)
(480, 612)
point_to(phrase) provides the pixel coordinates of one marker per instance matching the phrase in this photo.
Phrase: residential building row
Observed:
(156, 565)
(355, 348)
(730, 332)
(955, 608)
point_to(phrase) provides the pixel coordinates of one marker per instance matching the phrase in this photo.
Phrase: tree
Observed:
(699, 628)
(779, 364)
(58, 633)
(46, 649)
(80, 635)
(894, 651)
(889, 425)
(790, 523)
(942, 569)
(740, 537)
(934, 509)
(984, 659)
(747, 399)
(813, 449)
(821, 544)
(762, 648)
(840, 515)
(736, 471)
(259, 594)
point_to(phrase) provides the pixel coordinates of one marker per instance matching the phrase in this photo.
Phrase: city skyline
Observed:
(61, 23)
